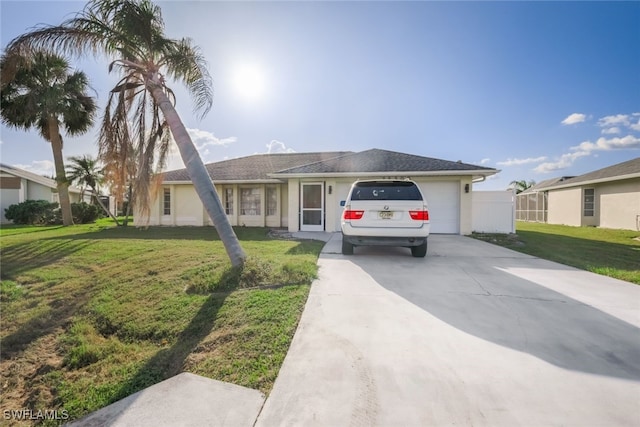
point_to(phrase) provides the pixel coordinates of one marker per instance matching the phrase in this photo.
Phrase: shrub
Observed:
(32, 212)
(41, 212)
(84, 213)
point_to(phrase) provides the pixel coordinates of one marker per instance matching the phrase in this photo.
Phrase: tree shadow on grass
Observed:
(60, 308)
(169, 362)
(58, 314)
(22, 257)
(306, 247)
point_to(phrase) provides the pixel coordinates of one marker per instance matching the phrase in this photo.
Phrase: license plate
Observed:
(385, 214)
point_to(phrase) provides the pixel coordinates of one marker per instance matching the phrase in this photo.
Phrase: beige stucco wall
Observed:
(340, 189)
(565, 206)
(186, 208)
(293, 201)
(619, 204)
(466, 206)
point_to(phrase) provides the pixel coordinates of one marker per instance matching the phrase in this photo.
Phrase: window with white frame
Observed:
(166, 201)
(228, 201)
(272, 201)
(250, 201)
(589, 201)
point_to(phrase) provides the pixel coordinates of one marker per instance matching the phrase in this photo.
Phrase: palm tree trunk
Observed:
(199, 176)
(129, 204)
(104, 208)
(61, 178)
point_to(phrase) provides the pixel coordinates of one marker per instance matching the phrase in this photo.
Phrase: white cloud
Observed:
(515, 162)
(40, 167)
(611, 131)
(484, 161)
(278, 147)
(628, 142)
(618, 119)
(587, 148)
(563, 162)
(613, 124)
(202, 138)
(574, 118)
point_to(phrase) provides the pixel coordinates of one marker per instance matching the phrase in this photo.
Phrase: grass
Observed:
(613, 253)
(94, 313)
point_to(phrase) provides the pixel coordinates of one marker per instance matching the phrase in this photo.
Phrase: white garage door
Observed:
(443, 199)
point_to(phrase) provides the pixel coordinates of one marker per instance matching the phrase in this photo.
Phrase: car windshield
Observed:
(386, 191)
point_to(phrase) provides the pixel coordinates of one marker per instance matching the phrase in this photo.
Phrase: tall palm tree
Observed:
(86, 172)
(521, 185)
(132, 31)
(40, 91)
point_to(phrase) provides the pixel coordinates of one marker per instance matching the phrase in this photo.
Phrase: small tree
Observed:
(86, 172)
(522, 185)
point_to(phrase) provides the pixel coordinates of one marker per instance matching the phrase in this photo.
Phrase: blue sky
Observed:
(535, 89)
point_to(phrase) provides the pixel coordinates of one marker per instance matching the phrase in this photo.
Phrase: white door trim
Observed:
(303, 209)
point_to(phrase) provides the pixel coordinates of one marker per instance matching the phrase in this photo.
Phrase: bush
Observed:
(32, 212)
(41, 212)
(84, 213)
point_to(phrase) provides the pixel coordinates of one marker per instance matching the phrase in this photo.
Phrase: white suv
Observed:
(385, 212)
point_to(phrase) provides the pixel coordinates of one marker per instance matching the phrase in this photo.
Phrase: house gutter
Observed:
(480, 173)
(230, 181)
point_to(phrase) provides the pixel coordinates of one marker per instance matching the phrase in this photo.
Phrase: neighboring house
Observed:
(18, 185)
(608, 197)
(303, 191)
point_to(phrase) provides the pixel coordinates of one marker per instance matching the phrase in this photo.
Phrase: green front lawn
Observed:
(614, 253)
(93, 313)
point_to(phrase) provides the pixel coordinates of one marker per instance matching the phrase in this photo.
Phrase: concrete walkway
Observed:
(186, 400)
(474, 334)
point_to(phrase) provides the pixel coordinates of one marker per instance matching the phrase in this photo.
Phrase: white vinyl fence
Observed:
(493, 212)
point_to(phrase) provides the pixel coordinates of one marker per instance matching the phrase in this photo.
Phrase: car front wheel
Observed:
(419, 251)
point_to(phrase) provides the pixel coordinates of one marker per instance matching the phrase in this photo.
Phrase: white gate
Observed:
(493, 212)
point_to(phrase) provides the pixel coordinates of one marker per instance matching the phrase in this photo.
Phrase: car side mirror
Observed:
(342, 202)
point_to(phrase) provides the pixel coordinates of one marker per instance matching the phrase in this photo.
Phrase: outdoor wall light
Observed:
(466, 188)
(330, 189)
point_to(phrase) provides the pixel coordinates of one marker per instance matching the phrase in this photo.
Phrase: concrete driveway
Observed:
(474, 334)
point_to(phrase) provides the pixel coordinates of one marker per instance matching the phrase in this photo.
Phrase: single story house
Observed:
(608, 197)
(303, 191)
(18, 185)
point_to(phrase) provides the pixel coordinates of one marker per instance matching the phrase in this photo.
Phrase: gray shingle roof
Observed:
(546, 183)
(376, 160)
(268, 166)
(254, 168)
(630, 168)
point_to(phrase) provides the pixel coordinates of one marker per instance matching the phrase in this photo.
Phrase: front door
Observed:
(312, 206)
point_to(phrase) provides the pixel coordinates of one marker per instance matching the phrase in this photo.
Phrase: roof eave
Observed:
(230, 181)
(474, 173)
(592, 181)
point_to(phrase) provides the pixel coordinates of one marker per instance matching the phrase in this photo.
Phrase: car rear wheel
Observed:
(419, 251)
(347, 248)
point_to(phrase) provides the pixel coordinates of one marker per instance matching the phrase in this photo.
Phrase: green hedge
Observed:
(41, 212)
